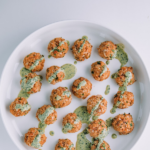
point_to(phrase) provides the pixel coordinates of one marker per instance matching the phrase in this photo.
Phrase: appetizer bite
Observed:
(58, 47)
(34, 62)
(81, 88)
(100, 71)
(46, 114)
(123, 123)
(31, 83)
(71, 123)
(103, 146)
(64, 144)
(125, 99)
(60, 97)
(82, 49)
(97, 127)
(96, 105)
(19, 107)
(54, 74)
(124, 76)
(35, 138)
(107, 50)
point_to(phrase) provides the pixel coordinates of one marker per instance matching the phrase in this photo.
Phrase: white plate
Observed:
(72, 30)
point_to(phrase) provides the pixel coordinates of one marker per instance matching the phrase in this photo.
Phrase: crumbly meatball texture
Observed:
(19, 107)
(93, 101)
(58, 48)
(34, 62)
(107, 50)
(37, 85)
(100, 71)
(82, 87)
(122, 77)
(96, 127)
(72, 120)
(81, 49)
(52, 117)
(103, 146)
(32, 134)
(54, 74)
(123, 123)
(64, 143)
(126, 99)
(60, 97)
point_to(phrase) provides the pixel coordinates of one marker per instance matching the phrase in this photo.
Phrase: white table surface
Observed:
(130, 18)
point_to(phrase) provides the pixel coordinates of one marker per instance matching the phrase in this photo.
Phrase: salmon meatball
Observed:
(35, 138)
(19, 107)
(96, 128)
(96, 105)
(60, 97)
(103, 146)
(82, 49)
(71, 123)
(46, 114)
(126, 99)
(54, 74)
(124, 76)
(123, 123)
(107, 50)
(81, 88)
(58, 47)
(100, 71)
(34, 62)
(31, 83)
(65, 144)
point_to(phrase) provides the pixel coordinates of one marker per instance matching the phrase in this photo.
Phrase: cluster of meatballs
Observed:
(122, 123)
(125, 98)
(81, 88)
(30, 83)
(81, 49)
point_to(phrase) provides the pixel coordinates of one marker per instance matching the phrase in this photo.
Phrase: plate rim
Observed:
(61, 22)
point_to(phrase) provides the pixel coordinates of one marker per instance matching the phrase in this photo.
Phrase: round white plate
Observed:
(72, 30)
